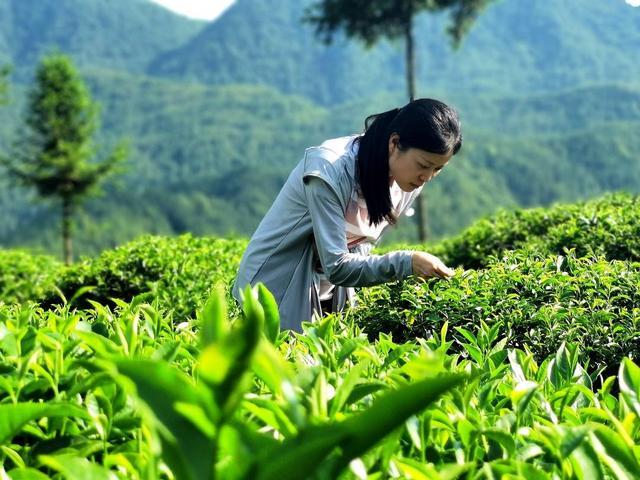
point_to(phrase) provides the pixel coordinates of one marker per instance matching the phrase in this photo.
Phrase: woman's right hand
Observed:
(427, 265)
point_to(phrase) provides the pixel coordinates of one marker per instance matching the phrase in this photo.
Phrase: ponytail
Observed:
(373, 166)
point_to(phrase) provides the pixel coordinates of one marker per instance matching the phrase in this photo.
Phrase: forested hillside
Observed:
(122, 34)
(516, 47)
(225, 109)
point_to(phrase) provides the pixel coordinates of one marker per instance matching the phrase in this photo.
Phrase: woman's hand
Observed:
(427, 265)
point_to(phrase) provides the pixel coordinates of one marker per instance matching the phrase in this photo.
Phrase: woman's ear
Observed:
(394, 139)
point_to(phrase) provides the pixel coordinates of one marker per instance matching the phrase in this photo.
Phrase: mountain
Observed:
(217, 113)
(210, 159)
(516, 46)
(123, 35)
(266, 43)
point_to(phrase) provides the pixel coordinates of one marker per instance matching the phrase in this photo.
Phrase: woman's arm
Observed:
(340, 266)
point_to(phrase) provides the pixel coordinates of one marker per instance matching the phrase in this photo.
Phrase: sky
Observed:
(633, 3)
(202, 9)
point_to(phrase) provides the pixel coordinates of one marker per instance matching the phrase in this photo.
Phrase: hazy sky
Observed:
(203, 9)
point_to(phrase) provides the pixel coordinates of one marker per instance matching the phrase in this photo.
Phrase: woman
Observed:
(313, 244)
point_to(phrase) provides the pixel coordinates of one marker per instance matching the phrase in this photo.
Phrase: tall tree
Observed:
(55, 153)
(371, 20)
(4, 74)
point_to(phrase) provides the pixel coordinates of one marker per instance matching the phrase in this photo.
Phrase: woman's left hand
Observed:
(427, 265)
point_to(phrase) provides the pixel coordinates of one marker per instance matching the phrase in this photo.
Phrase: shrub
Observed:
(609, 226)
(539, 301)
(178, 272)
(25, 276)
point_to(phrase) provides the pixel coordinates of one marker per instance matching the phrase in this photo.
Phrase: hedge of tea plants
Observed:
(131, 365)
(139, 398)
(538, 301)
(608, 226)
(25, 276)
(177, 273)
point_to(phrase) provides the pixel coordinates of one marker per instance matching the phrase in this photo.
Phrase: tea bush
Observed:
(515, 370)
(608, 226)
(177, 272)
(25, 276)
(538, 301)
(143, 399)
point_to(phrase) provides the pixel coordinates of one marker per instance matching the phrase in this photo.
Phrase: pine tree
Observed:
(371, 20)
(4, 74)
(54, 154)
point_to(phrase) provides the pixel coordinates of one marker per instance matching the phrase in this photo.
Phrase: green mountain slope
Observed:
(211, 159)
(517, 46)
(549, 99)
(116, 34)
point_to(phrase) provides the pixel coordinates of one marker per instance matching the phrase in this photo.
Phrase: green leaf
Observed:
(345, 389)
(466, 430)
(586, 464)
(72, 467)
(167, 351)
(629, 380)
(504, 439)
(354, 436)
(26, 474)
(213, 319)
(468, 335)
(515, 470)
(561, 368)
(271, 313)
(416, 470)
(13, 456)
(572, 439)
(13, 417)
(522, 395)
(186, 449)
(80, 292)
(614, 453)
(274, 370)
(361, 390)
(272, 415)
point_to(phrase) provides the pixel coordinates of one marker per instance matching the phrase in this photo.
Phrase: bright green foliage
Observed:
(58, 409)
(53, 156)
(530, 300)
(328, 403)
(176, 272)
(608, 226)
(25, 276)
(523, 369)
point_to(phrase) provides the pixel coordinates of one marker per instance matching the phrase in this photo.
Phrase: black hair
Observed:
(426, 124)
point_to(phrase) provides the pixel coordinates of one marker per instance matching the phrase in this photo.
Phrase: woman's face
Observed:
(412, 168)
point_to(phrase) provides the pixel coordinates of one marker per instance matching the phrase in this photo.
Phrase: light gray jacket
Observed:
(310, 210)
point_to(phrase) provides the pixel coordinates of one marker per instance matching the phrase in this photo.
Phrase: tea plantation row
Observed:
(125, 366)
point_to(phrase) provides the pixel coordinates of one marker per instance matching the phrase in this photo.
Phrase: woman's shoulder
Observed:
(335, 152)
(334, 162)
(339, 146)
(335, 148)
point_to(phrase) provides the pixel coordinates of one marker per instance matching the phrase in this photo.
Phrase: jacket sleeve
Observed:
(339, 265)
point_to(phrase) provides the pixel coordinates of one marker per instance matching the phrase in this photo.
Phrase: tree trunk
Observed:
(421, 214)
(67, 210)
